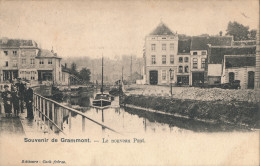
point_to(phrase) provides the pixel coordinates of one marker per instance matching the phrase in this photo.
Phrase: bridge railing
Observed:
(52, 114)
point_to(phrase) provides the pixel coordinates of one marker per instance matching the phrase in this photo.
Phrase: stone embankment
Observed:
(239, 107)
(194, 93)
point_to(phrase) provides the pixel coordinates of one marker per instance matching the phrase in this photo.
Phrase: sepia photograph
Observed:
(142, 82)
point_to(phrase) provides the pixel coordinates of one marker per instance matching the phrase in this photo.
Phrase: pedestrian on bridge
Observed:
(28, 100)
(7, 98)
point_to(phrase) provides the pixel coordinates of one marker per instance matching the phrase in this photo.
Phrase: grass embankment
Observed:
(240, 113)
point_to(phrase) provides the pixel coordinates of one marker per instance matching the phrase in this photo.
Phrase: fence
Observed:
(52, 114)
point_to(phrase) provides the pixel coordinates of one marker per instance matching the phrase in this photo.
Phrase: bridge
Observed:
(49, 118)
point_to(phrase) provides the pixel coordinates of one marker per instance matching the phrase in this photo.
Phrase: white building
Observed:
(161, 47)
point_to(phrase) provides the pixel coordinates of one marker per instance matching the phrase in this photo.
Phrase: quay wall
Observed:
(233, 112)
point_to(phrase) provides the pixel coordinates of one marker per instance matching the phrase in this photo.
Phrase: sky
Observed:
(115, 28)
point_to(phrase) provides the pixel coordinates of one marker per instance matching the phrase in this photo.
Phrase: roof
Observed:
(43, 53)
(184, 46)
(216, 54)
(202, 42)
(162, 29)
(244, 43)
(240, 61)
(16, 43)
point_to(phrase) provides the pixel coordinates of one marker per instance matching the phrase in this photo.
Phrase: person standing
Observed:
(28, 100)
(7, 98)
(15, 100)
(21, 89)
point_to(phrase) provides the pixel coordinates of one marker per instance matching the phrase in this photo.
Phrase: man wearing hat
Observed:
(28, 100)
(7, 98)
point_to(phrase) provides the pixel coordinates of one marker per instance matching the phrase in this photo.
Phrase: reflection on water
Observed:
(133, 121)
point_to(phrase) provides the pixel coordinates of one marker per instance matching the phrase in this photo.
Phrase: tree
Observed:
(252, 34)
(238, 31)
(220, 33)
(73, 67)
(85, 74)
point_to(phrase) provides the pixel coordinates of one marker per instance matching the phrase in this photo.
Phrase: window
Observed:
(164, 47)
(195, 53)
(186, 69)
(153, 47)
(186, 59)
(14, 63)
(32, 61)
(164, 75)
(163, 59)
(172, 75)
(180, 69)
(163, 37)
(6, 52)
(195, 63)
(180, 59)
(41, 62)
(15, 52)
(6, 63)
(33, 75)
(203, 61)
(171, 59)
(171, 46)
(23, 61)
(203, 53)
(49, 61)
(153, 59)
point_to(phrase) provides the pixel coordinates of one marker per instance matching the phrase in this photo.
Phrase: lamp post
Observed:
(171, 80)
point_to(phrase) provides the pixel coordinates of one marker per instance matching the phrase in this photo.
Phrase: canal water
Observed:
(129, 121)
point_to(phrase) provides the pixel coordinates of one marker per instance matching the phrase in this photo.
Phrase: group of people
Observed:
(14, 100)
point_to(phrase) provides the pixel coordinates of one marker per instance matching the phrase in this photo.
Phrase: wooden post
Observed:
(53, 118)
(69, 120)
(83, 124)
(48, 115)
(40, 109)
(43, 110)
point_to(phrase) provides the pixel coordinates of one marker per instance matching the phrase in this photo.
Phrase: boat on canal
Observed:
(102, 99)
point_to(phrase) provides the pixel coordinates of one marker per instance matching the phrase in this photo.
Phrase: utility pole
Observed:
(131, 67)
(257, 70)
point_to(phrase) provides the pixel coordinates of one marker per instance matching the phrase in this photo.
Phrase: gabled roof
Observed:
(240, 61)
(43, 53)
(216, 54)
(201, 43)
(162, 29)
(16, 43)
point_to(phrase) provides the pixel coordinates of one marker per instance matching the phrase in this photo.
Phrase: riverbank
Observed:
(195, 93)
(240, 113)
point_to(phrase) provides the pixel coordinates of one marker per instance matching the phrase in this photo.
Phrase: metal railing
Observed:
(51, 113)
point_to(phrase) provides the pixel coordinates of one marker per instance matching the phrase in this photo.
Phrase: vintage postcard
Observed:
(143, 82)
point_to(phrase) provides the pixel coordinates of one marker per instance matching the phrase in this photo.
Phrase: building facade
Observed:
(25, 60)
(160, 57)
(231, 63)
